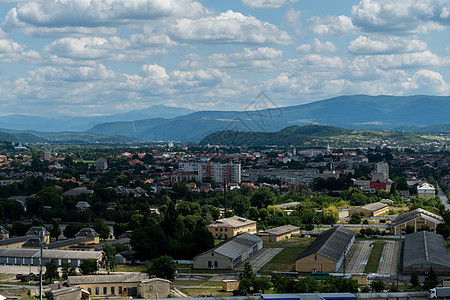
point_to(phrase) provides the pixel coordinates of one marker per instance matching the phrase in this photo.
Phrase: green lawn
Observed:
(374, 257)
(285, 260)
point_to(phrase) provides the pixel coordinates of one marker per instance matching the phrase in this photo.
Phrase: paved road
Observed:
(389, 258)
(261, 258)
(358, 257)
(443, 198)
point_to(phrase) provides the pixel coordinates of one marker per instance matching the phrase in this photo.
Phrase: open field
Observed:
(285, 260)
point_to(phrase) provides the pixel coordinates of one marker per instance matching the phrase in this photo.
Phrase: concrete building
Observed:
(87, 239)
(305, 176)
(424, 250)
(278, 233)
(218, 172)
(229, 227)
(230, 253)
(416, 218)
(22, 256)
(426, 191)
(370, 209)
(133, 285)
(381, 172)
(327, 252)
(101, 164)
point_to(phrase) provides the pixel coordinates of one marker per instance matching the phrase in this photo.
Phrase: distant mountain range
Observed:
(161, 123)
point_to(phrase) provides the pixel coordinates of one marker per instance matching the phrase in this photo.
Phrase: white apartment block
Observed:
(217, 171)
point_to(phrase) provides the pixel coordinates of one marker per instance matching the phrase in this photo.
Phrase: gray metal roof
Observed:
(425, 249)
(36, 229)
(55, 254)
(416, 213)
(3, 230)
(87, 232)
(14, 240)
(236, 245)
(68, 242)
(331, 243)
(279, 230)
(96, 279)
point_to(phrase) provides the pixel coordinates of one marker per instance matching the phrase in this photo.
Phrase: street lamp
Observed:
(41, 241)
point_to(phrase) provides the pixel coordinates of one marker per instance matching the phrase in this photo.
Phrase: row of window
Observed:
(221, 229)
(105, 290)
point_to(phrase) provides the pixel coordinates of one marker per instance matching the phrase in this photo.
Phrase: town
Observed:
(230, 220)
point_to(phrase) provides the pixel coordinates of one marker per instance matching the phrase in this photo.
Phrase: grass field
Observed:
(285, 260)
(374, 257)
(202, 288)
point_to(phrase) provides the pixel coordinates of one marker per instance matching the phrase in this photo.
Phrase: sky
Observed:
(100, 57)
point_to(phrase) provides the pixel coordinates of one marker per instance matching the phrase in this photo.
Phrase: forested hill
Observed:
(313, 135)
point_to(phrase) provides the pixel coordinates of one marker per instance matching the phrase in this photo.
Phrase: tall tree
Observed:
(108, 260)
(51, 270)
(163, 267)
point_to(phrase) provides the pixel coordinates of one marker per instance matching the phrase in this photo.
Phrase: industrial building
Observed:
(229, 227)
(30, 257)
(327, 252)
(424, 250)
(278, 233)
(230, 253)
(370, 209)
(416, 218)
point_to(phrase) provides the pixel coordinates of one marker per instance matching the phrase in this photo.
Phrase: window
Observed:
(217, 229)
(97, 290)
(90, 291)
(315, 257)
(226, 229)
(105, 290)
(216, 264)
(212, 253)
(120, 290)
(112, 291)
(209, 264)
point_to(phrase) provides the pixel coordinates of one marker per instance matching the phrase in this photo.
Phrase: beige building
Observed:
(327, 252)
(370, 209)
(4, 234)
(426, 191)
(230, 253)
(416, 218)
(278, 233)
(132, 285)
(229, 227)
(30, 240)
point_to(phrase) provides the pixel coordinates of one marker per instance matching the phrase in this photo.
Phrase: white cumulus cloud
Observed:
(331, 25)
(267, 3)
(318, 47)
(385, 45)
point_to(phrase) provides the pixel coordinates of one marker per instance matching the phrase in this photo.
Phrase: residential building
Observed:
(130, 285)
(424, 250)
(4, 234)
(230, 253)
(416, 219)
(229, 227)
(219, 172)
(381, 172)
(426, 191)
(279, 233)
(305, 176)
(327, 252)
(101, 164)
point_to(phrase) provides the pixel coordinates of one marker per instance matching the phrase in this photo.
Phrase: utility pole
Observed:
(41, 239)
(225, 195)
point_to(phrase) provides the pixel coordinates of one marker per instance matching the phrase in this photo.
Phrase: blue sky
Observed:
(96, 57)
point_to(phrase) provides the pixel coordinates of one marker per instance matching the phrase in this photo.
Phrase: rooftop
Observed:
(234, 221)
(416, 213)
(46, 253)
(425, 249)
(331, 243)
(279, 230)
(93, 279)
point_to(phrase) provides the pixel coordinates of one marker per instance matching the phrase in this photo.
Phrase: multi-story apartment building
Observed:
(217, 171)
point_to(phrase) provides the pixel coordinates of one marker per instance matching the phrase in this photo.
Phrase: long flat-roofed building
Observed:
(229, 227)
(370, 209)
(137, 285)
(22, 256)
(416, 218)
(327, 252)
(230, 253)
(278, 233)
(424, 250)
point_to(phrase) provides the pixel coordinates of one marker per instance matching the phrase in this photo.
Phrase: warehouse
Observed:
(230, 253)
(22, 256)
(278, 233)
(416, 219)
(327, 252)
(370, 209)
(424, 250)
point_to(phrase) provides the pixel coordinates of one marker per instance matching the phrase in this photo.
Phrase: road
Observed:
(261, 258)
(443, 198)
(389, 258)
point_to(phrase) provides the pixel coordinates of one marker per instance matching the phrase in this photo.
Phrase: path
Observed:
(389, 258)
(358, 257)
(443, 198)
(261, 258)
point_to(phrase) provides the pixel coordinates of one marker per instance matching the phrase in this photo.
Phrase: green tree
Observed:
(55, 230)
(163, 267)
(414, 280)
(431, 281)
(89, 266)
(108, 260)
(261, 284)
(149, 242)
(101, 228)
(51, 270)
(355, 219)
(67, 270)
(378, 286)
